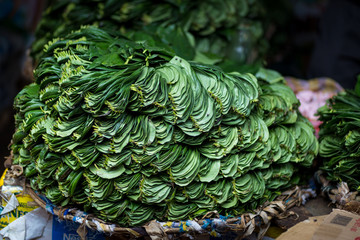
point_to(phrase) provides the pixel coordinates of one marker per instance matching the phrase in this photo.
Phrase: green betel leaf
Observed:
(269, 76)
(209, 170)
(107, 174)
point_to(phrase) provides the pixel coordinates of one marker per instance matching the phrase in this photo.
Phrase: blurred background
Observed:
(303, 39)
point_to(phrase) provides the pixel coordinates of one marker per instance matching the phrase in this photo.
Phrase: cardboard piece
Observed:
(339, 225)
(304, 230)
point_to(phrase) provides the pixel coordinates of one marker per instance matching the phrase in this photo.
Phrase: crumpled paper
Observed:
(27, 227)
(12, 204)
(155, 231)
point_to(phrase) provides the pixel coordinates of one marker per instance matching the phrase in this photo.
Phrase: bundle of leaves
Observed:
(132, 132)
(195, 29)
(340, 137)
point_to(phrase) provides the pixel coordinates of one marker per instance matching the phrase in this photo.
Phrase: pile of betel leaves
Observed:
(132, 132)
(197, 30)
(340, 137)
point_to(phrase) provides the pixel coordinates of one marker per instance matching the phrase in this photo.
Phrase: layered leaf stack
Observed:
(340, 137)
(194, 29)
(132, 133)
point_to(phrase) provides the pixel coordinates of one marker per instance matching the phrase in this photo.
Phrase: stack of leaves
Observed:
(195, 29)
(131, 132)
(340, 137)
